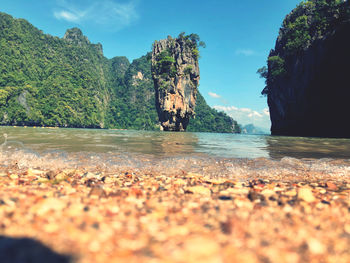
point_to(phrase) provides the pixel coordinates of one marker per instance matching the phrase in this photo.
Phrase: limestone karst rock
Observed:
(308, 72)
(75, 36)
(175, 72)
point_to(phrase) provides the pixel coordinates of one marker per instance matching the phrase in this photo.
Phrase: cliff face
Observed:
(307, 80)
(175, 72)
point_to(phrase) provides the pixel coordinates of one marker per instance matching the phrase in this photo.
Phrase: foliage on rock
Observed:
(310, 21)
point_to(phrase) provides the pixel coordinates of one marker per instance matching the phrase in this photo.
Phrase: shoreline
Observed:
(126, 214)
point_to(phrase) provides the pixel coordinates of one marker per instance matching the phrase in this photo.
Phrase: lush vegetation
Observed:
(276, 66)
(49, 81)
(210, 120)
(307, 23)
(193, 40)
(165, 65)
(133, 106)
(59, 84)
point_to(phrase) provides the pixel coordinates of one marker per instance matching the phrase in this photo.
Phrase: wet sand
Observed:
(140, 209)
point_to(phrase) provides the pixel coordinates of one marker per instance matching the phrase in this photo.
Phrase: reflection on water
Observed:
(98, 141)
(299, 147)
(169, 144)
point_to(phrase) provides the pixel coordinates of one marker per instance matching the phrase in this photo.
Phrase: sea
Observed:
(170, 152)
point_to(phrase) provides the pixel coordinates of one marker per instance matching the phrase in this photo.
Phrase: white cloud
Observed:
(245, 110)
(226, 108)
(245, 52)
(110, 14)
(246, 116)
(214, 95)
(69, 16)
(255, 114)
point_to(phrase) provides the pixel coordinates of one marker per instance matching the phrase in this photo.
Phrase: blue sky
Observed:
(238, 35)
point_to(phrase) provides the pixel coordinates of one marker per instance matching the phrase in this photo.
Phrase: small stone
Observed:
(236, 191)
(92, 176)
(114, 209)
(42, 180)
(347, 228)
(331, 186)
(268, 192)
(306, 195)
(61, 176)
(13, 176)
(111, 179)
(50, 175)
(291, 193)
(198, 190)
(30, 172)
(315, 246)
(180, 182)
(323, 191)
(252, 196)
(97, 191)
(225, 197)
(216, 181)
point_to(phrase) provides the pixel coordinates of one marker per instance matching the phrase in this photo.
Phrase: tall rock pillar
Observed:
(175, 73)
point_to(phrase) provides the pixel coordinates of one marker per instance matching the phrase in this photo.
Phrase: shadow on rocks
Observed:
(26, 250)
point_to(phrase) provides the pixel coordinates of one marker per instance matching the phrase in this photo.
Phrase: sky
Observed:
(239, 35)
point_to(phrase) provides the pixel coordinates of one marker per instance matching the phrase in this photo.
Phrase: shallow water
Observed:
(169, 144)
(229, 155)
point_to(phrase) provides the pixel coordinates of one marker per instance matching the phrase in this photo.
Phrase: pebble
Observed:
(13, 176)
(347, 228)
(315, 246)
(306, 195)
(291, 193)
(136, 215)
(61, 176)
(198, 190)
(331, 186)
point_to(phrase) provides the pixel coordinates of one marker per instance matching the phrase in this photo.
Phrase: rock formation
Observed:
(69, 83)
(175, 73)
(76, 37)
(308, 84)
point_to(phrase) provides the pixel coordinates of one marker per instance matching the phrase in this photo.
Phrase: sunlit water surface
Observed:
(212, 153)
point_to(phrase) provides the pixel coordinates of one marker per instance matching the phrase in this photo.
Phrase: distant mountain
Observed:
(67, 82)
(251, 129)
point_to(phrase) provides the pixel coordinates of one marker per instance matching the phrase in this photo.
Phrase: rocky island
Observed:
(175, 72)
(307, 75)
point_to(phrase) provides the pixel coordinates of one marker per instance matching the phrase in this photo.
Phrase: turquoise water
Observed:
(169, 144)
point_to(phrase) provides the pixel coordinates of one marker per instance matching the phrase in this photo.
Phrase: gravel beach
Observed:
(96, 214)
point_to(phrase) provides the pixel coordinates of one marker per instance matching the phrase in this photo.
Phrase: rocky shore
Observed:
(145, 215)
